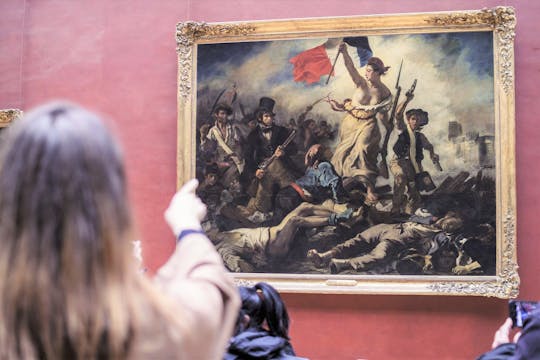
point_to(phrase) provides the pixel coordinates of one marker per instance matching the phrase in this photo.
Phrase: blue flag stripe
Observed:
(361, 44)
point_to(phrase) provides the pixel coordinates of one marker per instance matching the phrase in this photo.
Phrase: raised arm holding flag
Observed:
(310, 65)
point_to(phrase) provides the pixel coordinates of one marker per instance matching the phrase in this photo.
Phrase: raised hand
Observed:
(186, 210)
(502, 335)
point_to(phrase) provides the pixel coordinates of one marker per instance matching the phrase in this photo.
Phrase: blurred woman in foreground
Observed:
(69, 286)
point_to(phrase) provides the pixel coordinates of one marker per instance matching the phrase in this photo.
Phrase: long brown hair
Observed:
(66, 270)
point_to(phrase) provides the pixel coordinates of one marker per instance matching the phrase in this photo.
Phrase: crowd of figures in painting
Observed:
(353, 166)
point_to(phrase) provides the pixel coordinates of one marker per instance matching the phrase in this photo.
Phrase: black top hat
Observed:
(266, 105)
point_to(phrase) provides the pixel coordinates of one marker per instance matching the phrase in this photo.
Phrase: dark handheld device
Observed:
(520, 310)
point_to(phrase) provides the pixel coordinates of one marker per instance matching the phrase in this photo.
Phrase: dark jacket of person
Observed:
(256, 343)
(526, 348)
(258, 148)
(403, 144)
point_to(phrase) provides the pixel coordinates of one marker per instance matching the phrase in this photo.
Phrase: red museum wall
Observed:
(118, 58)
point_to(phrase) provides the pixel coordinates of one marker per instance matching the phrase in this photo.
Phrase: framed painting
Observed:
(369, 154)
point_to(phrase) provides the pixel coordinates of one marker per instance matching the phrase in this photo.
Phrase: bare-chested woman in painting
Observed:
(359, 136)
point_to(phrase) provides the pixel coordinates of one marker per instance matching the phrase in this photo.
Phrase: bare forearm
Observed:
(358, 80)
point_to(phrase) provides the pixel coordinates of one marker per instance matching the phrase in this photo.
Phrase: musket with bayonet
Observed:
(266, 163)
(383, 166)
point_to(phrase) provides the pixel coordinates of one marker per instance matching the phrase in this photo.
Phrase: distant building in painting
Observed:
(473, 148)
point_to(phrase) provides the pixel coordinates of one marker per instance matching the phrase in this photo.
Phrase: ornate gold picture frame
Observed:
(285, 124)
(7, 116)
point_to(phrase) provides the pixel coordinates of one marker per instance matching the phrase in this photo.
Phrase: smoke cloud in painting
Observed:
(454, 73)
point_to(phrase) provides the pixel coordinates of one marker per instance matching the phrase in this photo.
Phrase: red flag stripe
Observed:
(311, 64)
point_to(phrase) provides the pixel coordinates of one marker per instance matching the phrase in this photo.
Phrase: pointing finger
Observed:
(189, 187)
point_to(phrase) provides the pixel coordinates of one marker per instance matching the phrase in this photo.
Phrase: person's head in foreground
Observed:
(65, 227)
(69, 285)
(262, 330)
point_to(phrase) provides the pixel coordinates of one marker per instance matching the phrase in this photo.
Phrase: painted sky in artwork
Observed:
(454, 73)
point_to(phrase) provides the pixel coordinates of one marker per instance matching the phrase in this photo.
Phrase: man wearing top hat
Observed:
(265, 142)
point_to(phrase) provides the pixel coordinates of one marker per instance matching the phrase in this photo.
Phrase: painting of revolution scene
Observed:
(357, 155)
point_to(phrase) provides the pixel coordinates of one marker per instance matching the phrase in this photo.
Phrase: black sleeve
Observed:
(250, 155)
(501, 352)
(528, 345)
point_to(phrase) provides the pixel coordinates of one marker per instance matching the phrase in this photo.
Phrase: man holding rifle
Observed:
(268, 148)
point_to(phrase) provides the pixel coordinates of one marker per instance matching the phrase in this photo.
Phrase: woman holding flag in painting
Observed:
(359, 135)
(358, 148)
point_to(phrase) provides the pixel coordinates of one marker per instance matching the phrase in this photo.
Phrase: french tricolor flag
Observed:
(310, 65)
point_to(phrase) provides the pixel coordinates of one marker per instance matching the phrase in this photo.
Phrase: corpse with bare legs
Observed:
(246, 249)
